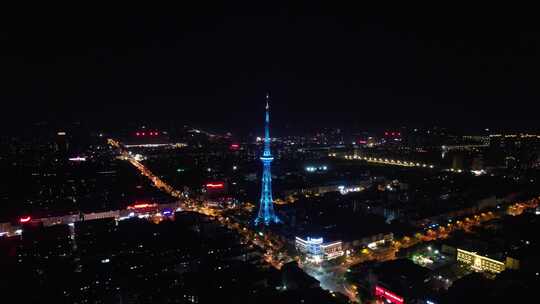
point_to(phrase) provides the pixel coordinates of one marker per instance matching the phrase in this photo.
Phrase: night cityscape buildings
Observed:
(403, 164)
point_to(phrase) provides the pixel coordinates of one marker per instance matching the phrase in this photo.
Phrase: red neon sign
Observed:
(390, 296)
(235, 146)
(25, 219)
(215, 186)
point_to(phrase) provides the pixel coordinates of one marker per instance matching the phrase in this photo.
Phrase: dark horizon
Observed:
(325, 65)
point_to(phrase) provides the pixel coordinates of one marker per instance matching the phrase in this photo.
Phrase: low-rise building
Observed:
(479, 262)
(316, 250)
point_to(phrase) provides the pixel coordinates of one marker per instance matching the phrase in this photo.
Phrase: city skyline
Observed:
(302, 152)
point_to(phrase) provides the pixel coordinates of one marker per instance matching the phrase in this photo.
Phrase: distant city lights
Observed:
(344, 190)
(138, 157)
(174, 145)
(314, 169)
(151, 133)
(478, 172)
(77, 159)
(387, 161)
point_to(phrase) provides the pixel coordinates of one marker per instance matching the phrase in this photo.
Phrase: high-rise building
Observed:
(266, 214)
(61, 143)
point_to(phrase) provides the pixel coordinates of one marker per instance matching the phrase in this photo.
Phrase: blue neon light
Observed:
(266, 214)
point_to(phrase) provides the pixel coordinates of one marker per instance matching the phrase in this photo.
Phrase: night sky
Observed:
(324, 65)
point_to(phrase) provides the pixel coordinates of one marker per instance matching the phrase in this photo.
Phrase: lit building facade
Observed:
(317, 251)
(480, 263)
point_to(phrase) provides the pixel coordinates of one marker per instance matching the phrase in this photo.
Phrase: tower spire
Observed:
(266, 214)
(267, 128)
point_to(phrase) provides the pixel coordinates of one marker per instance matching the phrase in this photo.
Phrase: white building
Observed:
(316, 250)
(478, 262)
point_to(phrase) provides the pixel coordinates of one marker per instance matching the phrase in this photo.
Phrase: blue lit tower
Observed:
(266, 213)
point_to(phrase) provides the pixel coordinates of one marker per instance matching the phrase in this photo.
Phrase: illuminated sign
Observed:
(25, 219)
(77, 159)
(235, 146)
(390, 296)
(141, 206)
(215, 185)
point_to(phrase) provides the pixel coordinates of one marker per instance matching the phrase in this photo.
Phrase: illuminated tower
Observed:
(266, 213)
